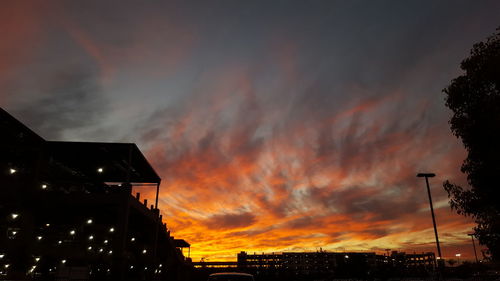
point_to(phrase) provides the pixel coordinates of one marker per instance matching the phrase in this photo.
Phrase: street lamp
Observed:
(473, 245)
(427, 176)
(458, 257)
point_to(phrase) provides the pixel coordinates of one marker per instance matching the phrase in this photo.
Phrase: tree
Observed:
(474, 98)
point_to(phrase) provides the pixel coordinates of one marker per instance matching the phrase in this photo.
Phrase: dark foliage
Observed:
(474, 98)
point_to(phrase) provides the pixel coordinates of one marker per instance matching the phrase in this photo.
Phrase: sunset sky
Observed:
(275, 125)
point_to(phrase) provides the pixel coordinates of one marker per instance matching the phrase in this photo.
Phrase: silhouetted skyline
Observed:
(275, 126)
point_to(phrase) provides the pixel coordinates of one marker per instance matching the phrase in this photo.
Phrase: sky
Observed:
(275, 125)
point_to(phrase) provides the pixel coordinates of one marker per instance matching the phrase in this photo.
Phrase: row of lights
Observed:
(146, 268)
(157, 271)
(13, 171)
(44, 186)
(73, 232)
(32, 269)
(91, 237)
(64, 261)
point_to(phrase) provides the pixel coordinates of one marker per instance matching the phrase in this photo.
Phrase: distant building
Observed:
(309, 262)
(402, 259)
(339, 264)
(67, 212)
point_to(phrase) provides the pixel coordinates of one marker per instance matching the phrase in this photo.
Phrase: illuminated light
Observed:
(91, 237)
(159, 271)
(112, 229)
(346, 256)
(14, 232)
(160, 265)
(47, 224)
(12, 171)
(458, 255)
(1, 256)
(131, 267)
(100, 170)
(105, 241)
(110, 252)
(44, 186)
(6, 266)
(89, 248)
(132, 239)
(72, 232)
(39, 238)
(145, 268)
(14, 216)
(100, 250)
(89, 221)
(63, 261)
(144, 251)
(59, 242)
(37, 259)
(108, 270)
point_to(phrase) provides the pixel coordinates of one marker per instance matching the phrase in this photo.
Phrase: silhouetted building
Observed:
(320, 262)
(66, 211)
(402, 259)
(323, 264)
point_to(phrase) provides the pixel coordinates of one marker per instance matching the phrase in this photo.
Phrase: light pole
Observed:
(427, 176)
(473, 245)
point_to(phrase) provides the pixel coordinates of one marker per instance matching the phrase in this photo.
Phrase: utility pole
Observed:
(473, 245)
(427, 176)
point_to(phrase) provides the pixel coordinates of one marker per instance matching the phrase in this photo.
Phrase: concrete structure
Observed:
(67, 211)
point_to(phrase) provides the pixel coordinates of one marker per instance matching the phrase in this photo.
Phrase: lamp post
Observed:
(427, 176)
(473, 245)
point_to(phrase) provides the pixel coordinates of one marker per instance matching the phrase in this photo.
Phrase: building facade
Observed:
(310, 263)
(67, 212)
(337, 264)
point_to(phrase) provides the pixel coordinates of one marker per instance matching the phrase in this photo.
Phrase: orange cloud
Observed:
(231, 185)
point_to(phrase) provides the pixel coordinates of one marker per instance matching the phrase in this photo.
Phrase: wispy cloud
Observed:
(274, 126)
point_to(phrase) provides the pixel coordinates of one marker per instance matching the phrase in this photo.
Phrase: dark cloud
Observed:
(276, 208)
(253, 232)
(228, 221)
(71, 99)
(306, 222)
(367, 203)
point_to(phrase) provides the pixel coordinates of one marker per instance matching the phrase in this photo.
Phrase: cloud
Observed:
(75, 101)
(225, 221)
(302, 127)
